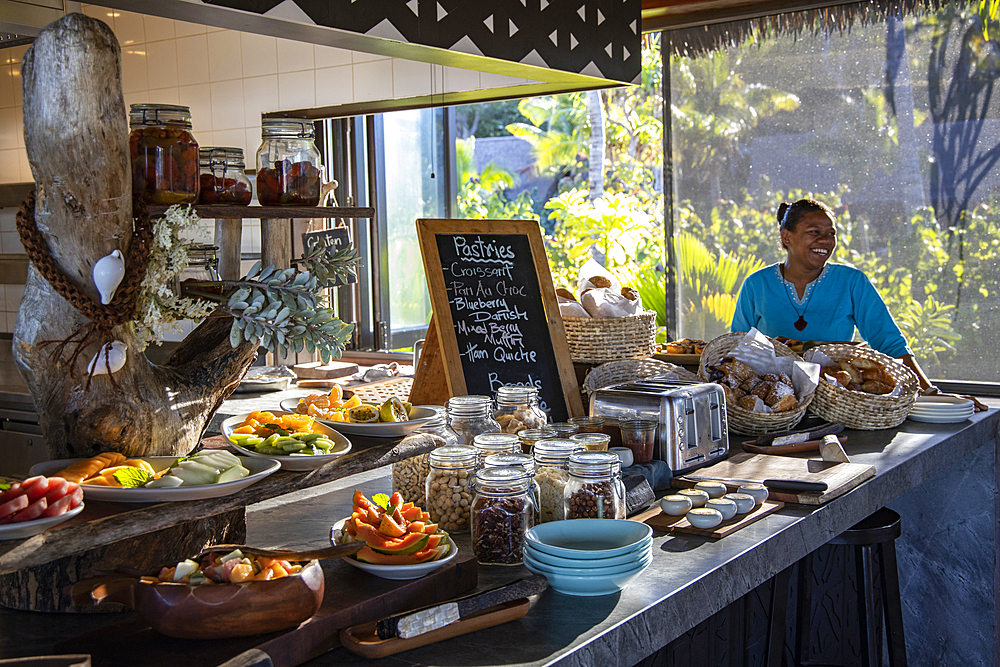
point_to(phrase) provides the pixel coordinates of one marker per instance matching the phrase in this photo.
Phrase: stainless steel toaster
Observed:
(692, 416)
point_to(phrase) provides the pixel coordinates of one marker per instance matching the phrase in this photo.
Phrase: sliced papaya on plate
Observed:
(389, 526)
(369, 555)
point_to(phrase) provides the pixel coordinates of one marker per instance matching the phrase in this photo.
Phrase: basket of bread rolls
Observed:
(865, 389)
(749, 389)
(605, 321)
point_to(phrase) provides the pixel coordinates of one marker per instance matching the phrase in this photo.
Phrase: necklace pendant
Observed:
(800, 323)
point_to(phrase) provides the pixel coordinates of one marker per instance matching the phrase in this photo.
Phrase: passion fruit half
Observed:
(363, 414)
(393, 411)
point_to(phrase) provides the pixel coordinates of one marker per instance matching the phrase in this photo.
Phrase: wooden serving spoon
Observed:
(335, 551)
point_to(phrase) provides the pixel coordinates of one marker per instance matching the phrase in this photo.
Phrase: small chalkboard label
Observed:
(331, 240)
(496, 311)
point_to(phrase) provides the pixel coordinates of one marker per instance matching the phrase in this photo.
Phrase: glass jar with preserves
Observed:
(530, 436)
(587, 424)
(502, 511)
(518, 409)
(495, 443)
(449, 494)
(288, 163)
(595, 442)
(594, 489)
(468, 416)
(409, 476)
(164, 154)
(223, 180)
(551, 462)
(563, 429)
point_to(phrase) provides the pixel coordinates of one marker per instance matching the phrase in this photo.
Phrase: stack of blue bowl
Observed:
(589, 556)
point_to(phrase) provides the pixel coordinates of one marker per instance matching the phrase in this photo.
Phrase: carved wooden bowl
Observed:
(212, 611)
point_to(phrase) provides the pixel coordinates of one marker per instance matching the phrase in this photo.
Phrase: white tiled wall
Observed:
(228, 78)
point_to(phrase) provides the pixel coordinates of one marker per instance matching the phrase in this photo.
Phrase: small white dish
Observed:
(297, 463)
(725, 506)
(758, 491)
(393, 572)
(624, 454)
(698, 496)
(744, 502)
(713, 489)
(703, 517)
(676, 505)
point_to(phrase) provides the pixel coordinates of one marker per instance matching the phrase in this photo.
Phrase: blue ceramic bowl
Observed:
(585, 539)
(588, 586)
(643, 560)
(630, 556)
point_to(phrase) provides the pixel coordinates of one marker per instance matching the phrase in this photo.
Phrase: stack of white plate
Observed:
(941, 409)
(589, 556)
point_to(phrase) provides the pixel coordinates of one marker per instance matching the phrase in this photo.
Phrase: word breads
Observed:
(744, 387)
(862, 374)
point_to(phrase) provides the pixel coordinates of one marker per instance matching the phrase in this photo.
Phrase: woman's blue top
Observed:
(839, 300)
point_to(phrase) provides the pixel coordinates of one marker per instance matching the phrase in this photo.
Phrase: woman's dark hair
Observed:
(790, 214)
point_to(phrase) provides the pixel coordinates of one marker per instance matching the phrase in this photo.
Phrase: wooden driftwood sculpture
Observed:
(76, 137)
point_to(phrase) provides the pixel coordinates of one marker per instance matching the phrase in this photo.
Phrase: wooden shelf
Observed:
(272, 212)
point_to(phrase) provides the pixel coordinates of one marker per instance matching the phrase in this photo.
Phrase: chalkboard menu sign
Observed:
(496, 312)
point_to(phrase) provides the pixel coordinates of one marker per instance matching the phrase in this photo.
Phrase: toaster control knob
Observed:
(689, 411)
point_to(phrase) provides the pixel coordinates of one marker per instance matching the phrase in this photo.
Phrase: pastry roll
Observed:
(736, 367)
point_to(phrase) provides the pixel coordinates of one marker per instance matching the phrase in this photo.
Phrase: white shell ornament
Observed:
(109, 359)
(108, 274)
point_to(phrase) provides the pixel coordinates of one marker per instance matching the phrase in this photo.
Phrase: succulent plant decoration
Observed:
(284, 310)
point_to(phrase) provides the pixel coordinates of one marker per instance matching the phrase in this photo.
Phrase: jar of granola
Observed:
(409, 476)
(449, 494)
(288, 163)
(223, 180)
(164, 154)
(594, 489)
(495, 443)
(468, 416)
(518, 409)
(502, 511)
(551, 460)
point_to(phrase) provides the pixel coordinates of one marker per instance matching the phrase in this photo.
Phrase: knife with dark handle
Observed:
(417, 622)
(802, 435)
(776, 484)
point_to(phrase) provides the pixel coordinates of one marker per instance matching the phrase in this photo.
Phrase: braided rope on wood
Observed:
(103, 318)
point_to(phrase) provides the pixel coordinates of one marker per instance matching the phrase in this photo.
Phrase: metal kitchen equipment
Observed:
(693, 430)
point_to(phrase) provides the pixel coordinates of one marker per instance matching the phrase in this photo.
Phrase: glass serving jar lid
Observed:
(221, 156)
(516, 394)
(555, 451)
(159, 114)
(510, 460)
(502, 480)
(594, 464)
(453, 456)
(289, 128)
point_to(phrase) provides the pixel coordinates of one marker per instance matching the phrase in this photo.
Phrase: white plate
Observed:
(943, 413)
(259, 469)
(942, 400)
(420, 415)
(291, 462)
(929, 419)
(949, 410)
(396, 572)
(19, 531)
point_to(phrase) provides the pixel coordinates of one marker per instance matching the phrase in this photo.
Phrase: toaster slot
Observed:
(715, 417)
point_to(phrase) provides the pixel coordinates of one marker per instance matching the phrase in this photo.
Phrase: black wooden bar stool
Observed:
(877, 532)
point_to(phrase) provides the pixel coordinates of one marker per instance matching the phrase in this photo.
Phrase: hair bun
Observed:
(782, 209)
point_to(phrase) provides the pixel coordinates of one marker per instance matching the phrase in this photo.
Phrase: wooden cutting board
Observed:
(352, 597)
(839, 477)
(657, 519)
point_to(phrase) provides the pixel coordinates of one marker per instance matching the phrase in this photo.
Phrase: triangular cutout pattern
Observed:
(489, 23)
(553, 36)
(572, 41)
(412, 5)
(600, 17)
(386, 30)
(442, 12)
(513, 28)
(582, 12)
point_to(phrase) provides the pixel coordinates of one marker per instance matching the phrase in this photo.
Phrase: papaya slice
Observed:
(389, 526)
(435, 540)
(411, 513)
(396, 500)
(369, 555)
(407, 544)
(359, 500)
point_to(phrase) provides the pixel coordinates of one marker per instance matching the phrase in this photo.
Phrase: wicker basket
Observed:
(629, 370)
(740, 419)
(857, 409)
(596, 340)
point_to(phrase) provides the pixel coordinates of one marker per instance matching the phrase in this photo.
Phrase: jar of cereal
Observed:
(468, 416)
(409, 476)
(164, 154)
(495, 443)
(518, 409)
(449, 495)
(288, 163)
(594, 489)
(502, 511)
(551, 460)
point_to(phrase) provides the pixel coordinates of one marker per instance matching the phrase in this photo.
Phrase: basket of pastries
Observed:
(746, 388)
(865, 389)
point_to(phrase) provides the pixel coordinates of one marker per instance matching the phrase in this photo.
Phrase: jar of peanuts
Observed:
(449, 495)
(164, 154)
(551, 460)
(518, 409)
(594, 489)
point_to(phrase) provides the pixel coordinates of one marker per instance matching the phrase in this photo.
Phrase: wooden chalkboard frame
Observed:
(427, 231)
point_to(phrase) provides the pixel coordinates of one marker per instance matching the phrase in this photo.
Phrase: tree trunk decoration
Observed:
(76, 136)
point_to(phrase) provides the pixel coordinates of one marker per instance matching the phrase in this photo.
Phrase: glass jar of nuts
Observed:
(449, 494)
(502, 511)
(517, 460)
(518, 409)
(468, 416)
(409, 476)
(551, 460)
(594, 489)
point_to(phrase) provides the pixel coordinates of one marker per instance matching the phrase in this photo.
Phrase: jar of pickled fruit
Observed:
(223, 179)
(288, 163)
(164, 154)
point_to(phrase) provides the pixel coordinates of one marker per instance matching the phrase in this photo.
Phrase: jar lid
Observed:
(468, 405)
(516, 392)
(555, 450)
(210, 156)
(454, 455)
(510, 459)
(594, 463)
(502, 477)
(159, 114)
(508, 440)
(290, 128)
(590, 437)
(535, 434)
(563, 428)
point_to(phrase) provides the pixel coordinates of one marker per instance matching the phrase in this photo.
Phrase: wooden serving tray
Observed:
(361, 639)
(679, 359)
(657, 519)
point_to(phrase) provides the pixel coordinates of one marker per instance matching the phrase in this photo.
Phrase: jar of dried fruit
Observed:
(502, 512)
(288, 163)
(518, 409)
(594, 489)
(164, 154)
(223, 180)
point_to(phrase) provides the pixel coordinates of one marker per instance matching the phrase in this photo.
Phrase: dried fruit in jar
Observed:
(164, 165)
(288, 184)
(217, 190)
